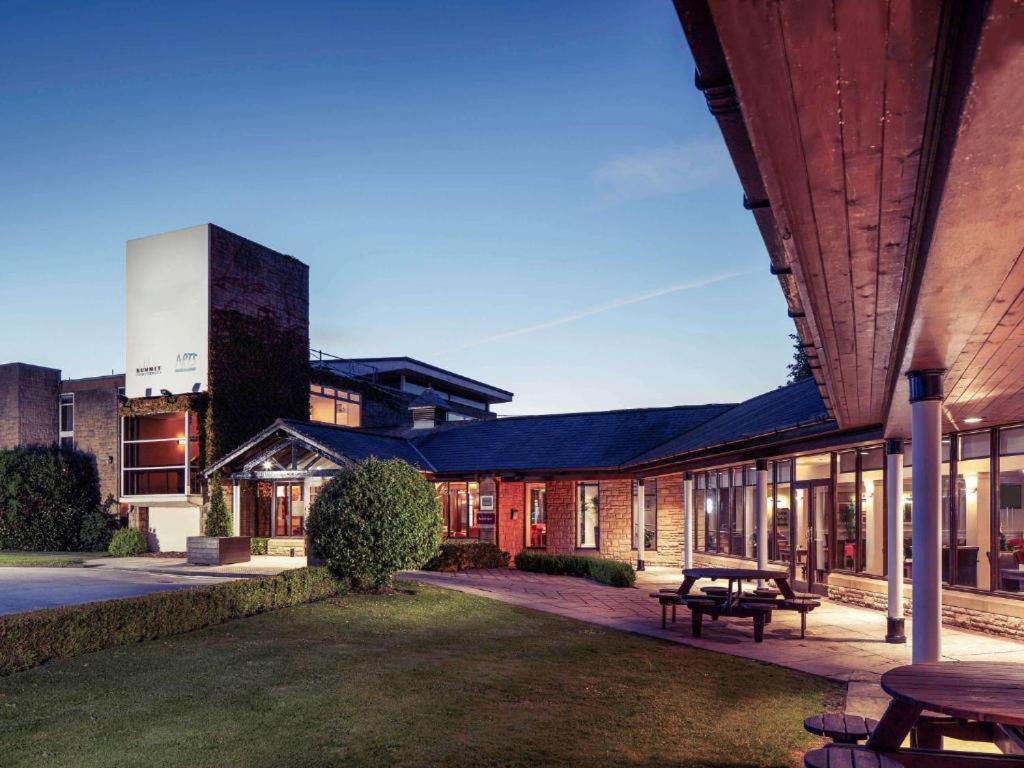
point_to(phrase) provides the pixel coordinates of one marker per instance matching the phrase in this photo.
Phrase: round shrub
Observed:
(128, 542)
(45, 494)
(375, 518)
(218, 518)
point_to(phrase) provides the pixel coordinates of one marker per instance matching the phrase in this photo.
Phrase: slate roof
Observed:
(357, 444)
(796, 407)
(605, 439)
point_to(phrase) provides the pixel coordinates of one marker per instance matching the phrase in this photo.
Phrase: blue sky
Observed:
(531, 193)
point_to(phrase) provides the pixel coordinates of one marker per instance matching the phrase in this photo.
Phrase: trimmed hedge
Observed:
(128, 542)
(605, 571)
(29, 639)
(466, 555)
(257, 546)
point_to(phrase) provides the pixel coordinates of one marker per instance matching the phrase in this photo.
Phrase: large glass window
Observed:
(537, 519)
(334, 406)
(871, 549)
(67, 421)
(1010, 514)
(844, 555)
(973, 510)
(289, 510)
(460, 503)
(588, 516)
(699, 513)
(781, 508)
(650, 515)
(159, 453)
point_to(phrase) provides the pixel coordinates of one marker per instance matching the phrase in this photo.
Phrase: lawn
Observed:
(423, 677)
(47, 559)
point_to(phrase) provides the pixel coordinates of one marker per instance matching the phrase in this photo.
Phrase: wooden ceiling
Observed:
(888, 138)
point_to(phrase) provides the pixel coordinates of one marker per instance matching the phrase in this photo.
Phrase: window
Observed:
(650, 515)
(460, 503)
(588, 517)
(67, 422)
(159, 453)
(289, 511)
(334, 406)
(537, 518)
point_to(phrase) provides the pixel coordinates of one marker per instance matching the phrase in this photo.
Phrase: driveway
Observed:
(25, 589)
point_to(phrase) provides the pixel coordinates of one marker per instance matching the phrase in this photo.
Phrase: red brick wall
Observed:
(511, 532)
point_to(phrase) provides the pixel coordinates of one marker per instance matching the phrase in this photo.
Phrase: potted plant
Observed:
(218, 546)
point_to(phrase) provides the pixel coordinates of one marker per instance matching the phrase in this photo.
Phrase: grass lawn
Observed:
(425, 677)
(47, 559)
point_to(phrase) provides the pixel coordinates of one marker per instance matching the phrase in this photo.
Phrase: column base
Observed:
(640, 565)
(894, 631)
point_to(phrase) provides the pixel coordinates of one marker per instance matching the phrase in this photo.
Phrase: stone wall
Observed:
(511, 527)
(561, 511)
(616, 519)
(28, 405)
(96, 425)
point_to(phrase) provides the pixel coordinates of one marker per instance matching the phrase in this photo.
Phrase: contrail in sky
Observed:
(597, 309)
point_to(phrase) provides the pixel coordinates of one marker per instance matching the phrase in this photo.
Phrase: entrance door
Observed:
(289, 512)
(811, 503)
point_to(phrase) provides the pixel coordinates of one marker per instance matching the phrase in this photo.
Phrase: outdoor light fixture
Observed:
(971, 484)
(166, 393)
(266, 465)
(181, 440)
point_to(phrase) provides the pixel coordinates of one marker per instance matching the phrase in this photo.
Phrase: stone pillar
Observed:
(236, 508)
(688, 520)
(639, 505)
(761, 512)
(926, 488)
(894, 538)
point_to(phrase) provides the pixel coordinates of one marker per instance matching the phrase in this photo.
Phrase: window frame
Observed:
(650, 487)
(581, 489)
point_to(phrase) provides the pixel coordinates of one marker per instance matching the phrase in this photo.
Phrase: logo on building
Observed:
(187, 361)
(148, 370)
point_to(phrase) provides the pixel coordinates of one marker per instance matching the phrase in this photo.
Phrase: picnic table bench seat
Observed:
(803, 606)
(713, 591)
(665, 599)
(761, 613)
(698, 607)
(837, 756)
(841, 728)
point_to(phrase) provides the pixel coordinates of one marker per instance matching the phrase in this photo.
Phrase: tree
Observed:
(373, 519)
(218, 518)
(800, 368)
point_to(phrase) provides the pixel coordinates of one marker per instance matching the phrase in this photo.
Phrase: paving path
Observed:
(843, 643)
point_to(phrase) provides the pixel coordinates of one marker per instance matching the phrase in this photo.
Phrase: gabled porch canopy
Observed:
(880, 148)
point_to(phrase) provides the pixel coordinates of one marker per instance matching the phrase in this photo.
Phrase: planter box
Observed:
(218, 550)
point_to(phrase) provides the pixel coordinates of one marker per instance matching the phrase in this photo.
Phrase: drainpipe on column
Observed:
(894, 539)
(688, 520)
(926, 488)
(640, 564)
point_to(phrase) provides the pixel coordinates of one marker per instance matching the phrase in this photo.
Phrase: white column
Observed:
(761, 513)
(926, 490)
(236, 508)
(894, 538)
(639, 504)
(688, 520)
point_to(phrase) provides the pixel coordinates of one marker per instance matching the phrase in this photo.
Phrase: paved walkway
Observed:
(843, 643)
(259, 565)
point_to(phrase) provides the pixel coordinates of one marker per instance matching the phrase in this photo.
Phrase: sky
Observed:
(530, 193)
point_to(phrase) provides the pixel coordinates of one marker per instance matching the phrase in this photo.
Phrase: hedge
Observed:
(605, 571)
(466, 555)
(128, 542)
(29, 639)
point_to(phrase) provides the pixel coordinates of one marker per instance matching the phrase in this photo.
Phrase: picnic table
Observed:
(980, 698)
(736, 576)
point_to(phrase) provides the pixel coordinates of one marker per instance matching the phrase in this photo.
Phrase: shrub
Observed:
(128, 542)
(96, 530)
(605, 571)
(28, 639)
(257, 546)
(466, 555)
(45, 496)
(375, 518)
(218, 518)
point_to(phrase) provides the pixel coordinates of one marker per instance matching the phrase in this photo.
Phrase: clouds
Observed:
(672, 169)
(623, 301)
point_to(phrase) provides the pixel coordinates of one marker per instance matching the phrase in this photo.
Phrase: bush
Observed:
(605, 571)
(257, 546)
(466, 555)
(46, 498)
(375, 518)
(96, 530)
(128, 542)
(28, 639)
(218, 518)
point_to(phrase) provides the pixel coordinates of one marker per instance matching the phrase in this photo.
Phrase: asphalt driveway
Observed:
(25, 589)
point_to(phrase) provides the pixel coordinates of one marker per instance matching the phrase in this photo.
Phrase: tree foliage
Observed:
(373, 519)
(800, 368)
(218, 518)
(50, 501)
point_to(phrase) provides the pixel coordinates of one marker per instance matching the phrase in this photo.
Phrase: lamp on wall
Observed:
(971, 484)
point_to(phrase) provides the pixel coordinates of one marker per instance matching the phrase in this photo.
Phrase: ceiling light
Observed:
(973, 420)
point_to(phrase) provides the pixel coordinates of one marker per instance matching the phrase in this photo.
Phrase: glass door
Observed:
(289, 512)
(810, 516)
